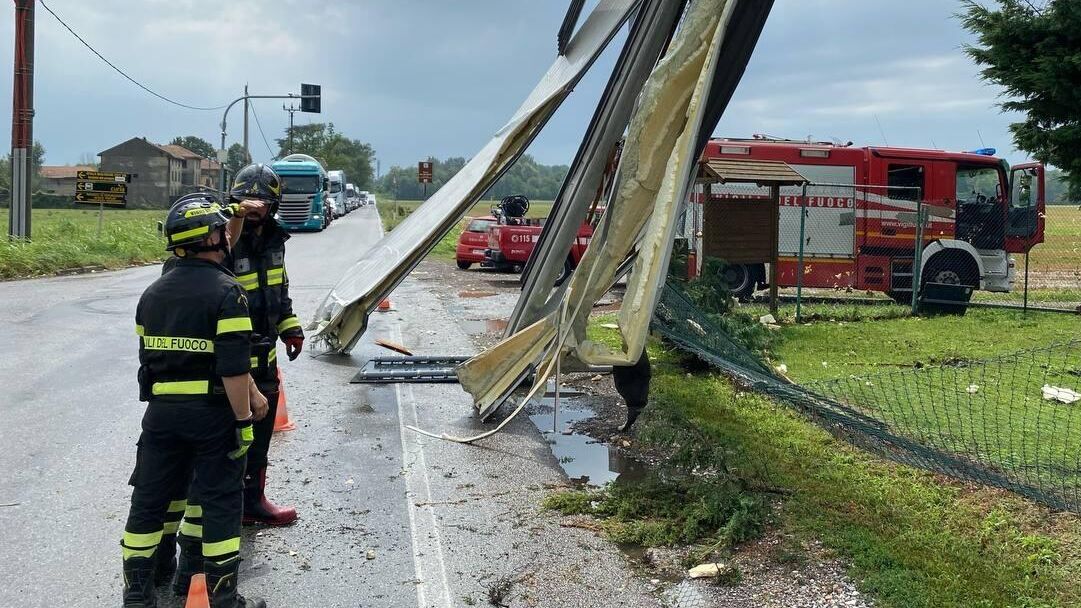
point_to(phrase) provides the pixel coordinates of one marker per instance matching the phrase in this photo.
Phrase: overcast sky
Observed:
(432, 77)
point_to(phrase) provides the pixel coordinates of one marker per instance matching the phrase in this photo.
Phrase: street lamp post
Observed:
(225, 116)
(310, 101)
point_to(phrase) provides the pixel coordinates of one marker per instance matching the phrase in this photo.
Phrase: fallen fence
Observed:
(1012, 421)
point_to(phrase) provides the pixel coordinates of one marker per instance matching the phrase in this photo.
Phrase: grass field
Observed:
(67, 238)
(1061, 249)
(913, 539)
(393, 212)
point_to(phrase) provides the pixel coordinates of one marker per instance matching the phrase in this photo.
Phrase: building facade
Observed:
(161, 173)
(60, 180)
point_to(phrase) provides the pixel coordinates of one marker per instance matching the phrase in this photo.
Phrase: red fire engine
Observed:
(861, 205)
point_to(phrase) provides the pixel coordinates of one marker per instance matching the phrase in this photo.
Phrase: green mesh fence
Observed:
(1000, 422)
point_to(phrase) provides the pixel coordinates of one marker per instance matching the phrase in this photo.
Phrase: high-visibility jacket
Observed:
(258, 261)
(194, 328)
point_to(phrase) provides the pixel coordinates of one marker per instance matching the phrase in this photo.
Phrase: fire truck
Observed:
(860, 210)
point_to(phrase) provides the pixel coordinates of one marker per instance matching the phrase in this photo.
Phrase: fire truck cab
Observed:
(860, 217)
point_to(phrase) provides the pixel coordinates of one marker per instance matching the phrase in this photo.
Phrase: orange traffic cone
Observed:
(281, 419)
(197, 595)
(384, 305)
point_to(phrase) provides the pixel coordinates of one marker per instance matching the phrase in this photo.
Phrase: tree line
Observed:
(528, 177)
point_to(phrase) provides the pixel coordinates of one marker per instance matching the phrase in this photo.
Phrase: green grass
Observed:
(1053, 297)
(993, 412)
(912, 538)
(1061, 249)
(67, 238)
(825, 350)
(393, 212)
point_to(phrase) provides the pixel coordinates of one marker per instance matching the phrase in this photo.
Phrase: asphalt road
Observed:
(388, 517)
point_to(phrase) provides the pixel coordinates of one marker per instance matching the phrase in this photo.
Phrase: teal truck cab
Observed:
(304, 192)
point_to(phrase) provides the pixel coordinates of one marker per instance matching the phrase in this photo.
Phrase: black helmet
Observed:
(191, 219)
(258, 181)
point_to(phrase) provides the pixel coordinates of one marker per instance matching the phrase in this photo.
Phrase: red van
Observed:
(473, 241)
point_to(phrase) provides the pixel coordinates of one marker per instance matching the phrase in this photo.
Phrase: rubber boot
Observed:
(189, 564)
(165, 561)
(139, 583)
(259, 510)
(221, 583)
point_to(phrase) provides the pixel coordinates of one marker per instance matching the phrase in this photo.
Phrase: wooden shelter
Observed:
(758, 218)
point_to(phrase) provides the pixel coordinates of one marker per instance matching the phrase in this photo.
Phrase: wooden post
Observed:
(775, 215)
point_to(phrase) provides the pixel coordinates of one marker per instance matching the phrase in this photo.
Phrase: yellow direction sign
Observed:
(101, 198)
(103, 176)
(101, 187)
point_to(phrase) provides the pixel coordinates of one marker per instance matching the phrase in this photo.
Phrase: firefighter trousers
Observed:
(264, 429)
(189, 506)
(184, 443)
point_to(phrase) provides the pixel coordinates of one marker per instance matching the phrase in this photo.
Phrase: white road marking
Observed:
(427, 540)
(418, 484)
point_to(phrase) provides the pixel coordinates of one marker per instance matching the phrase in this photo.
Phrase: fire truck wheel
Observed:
(464, 265)
(740, 280)
(951, 268)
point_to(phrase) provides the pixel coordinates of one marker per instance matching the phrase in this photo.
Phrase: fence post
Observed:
(917, 258)
(799, 265)
(1025, 308)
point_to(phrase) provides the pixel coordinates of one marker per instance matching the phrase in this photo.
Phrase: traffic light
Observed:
(311, 99)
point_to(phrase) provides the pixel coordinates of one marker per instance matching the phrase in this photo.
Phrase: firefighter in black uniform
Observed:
(258, 261)
(195, 355)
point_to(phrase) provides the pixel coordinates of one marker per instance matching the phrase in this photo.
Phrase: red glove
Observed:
(293, 346)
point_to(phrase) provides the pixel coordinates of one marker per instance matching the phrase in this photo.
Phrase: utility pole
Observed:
(292, 110)
(22, 120)
(247, 151)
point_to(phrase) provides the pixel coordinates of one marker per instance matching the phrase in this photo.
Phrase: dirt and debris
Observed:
(773, 571)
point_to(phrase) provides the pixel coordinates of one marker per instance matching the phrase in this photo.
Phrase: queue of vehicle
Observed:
(312, 197)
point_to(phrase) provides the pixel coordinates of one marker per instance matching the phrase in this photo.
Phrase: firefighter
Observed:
(258, 261)
(195, 357)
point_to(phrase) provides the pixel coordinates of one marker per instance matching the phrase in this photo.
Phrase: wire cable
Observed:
(121, 72)
(261, 134)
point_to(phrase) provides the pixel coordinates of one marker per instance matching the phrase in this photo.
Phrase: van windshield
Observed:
(335, 187)
(301, 184)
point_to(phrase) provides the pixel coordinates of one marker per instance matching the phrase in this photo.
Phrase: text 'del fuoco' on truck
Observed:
(861, 208)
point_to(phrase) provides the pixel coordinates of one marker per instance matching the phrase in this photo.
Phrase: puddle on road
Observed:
(484, 326)
(584, 459)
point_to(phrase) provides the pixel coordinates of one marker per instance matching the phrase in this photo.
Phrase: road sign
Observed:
(103, 176)
(424, 172)
(101, 198)
(311, 98)
(101, 187)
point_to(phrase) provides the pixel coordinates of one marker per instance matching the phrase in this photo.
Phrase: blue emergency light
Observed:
(983, 151)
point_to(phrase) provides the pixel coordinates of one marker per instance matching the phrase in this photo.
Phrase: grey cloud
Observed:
(434, 77)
